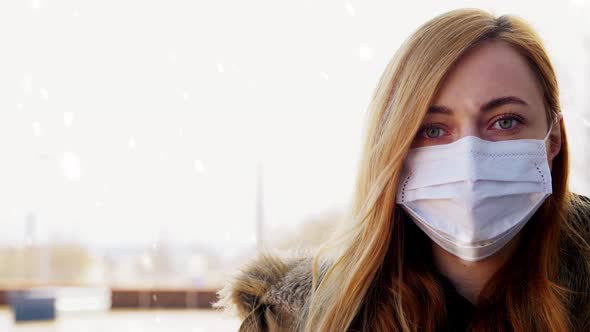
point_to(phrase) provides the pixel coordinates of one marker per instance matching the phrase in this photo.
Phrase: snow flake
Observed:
(44, 93)
(28, 240)
(172, 57)
(365, 53)
(27, 84)
(199, 166)
(220, 67)
(349, 8)
(131, 143)
(68, 119)
(579, 3)
(146, 261)
(37, 128)
(37, 4)
(70, 165)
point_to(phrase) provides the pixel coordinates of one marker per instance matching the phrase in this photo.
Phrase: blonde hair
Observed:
(380, 278)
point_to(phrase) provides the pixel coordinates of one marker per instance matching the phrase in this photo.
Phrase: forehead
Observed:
(491, 69)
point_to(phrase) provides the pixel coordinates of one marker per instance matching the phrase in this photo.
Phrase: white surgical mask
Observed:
(472, 196)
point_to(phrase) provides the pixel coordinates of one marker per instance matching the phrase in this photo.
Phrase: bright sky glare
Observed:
(125, 122)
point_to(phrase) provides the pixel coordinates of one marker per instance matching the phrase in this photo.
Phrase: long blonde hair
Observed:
(380, 277)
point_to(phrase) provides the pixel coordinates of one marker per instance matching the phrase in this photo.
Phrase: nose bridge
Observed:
(469, 121)
(469, 129)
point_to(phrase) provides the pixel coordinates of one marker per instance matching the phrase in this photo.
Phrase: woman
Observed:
(462, 218)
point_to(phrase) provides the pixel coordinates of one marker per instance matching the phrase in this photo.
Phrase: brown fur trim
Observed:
(269, 291)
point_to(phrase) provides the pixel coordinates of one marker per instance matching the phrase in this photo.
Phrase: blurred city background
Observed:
(150, 147)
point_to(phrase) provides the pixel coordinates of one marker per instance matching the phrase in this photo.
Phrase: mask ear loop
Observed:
(559, 116)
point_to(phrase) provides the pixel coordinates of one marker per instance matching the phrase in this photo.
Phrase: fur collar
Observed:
(270, 291)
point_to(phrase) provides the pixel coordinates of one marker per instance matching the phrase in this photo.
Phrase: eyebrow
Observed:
(494, 103)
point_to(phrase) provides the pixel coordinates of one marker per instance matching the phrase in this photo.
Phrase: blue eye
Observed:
(506, 122)
(432, 132)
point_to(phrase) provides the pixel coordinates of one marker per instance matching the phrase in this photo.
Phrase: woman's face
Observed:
(490, 93)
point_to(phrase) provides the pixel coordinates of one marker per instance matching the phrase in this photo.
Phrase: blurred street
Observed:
(126, 321)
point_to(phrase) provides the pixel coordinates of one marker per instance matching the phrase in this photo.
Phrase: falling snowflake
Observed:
(37, 4)
(199, 167)
(172, 57)
(365, 53)
(28, 240)
(131, 143)
(579, 3)
(70, 165)
(37, 128)
(146, 261)
(27, 84)
(220, 67)
(68, 119)
(44, 93)
(350, 8)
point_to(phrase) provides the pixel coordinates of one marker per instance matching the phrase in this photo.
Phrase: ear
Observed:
(554, 140)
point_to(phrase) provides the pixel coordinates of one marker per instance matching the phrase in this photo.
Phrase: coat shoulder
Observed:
(269, 292)
(581, 209)
(577, 231)
(575, 267)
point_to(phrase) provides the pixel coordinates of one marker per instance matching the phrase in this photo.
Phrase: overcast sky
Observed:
(122, 122)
